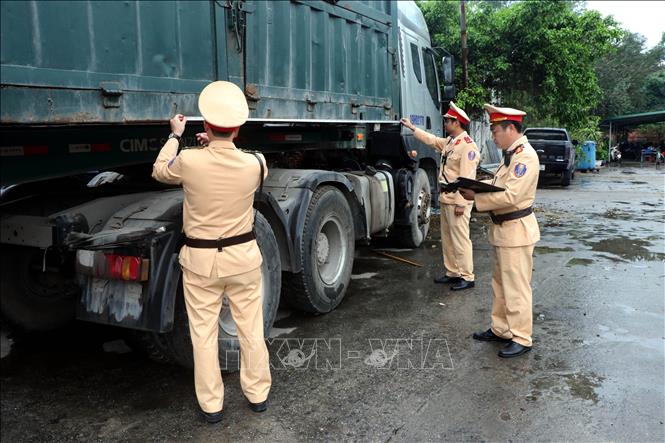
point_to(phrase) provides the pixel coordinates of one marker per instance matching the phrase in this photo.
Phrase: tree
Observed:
(632, 79)
(536, 56)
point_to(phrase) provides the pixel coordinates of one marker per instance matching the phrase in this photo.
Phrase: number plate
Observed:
(542, 167)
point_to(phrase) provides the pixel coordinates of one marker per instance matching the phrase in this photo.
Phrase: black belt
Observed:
(500, 218)
(220, 242)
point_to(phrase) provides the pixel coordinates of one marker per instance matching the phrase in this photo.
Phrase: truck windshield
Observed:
(546, 135)
(430, 76)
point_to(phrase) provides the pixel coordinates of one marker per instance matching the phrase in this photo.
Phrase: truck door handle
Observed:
(428, 123)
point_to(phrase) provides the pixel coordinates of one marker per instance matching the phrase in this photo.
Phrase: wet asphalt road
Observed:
(396, 362)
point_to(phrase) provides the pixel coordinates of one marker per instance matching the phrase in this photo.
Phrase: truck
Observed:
(556, 152)
(87, 89)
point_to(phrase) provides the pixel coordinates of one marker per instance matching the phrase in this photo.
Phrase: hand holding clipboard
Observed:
(467, 183)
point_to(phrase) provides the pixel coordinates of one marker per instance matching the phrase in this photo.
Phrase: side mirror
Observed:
(448, 95)
(448, 76)
(575, 143)
(447, 69)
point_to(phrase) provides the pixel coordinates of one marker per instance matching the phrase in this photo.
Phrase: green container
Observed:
(110, 62)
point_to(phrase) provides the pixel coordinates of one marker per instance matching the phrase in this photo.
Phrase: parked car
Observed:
(556, 152)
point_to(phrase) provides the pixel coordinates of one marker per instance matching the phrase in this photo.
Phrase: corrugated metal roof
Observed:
(633, 119)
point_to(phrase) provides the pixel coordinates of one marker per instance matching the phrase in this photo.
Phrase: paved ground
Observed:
(396, 362)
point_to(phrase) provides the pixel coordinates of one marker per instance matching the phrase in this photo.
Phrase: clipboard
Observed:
(467, 183)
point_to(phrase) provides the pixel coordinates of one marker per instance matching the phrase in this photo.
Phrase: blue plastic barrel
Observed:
(587, 161)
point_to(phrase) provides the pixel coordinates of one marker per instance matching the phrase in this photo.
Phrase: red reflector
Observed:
(114, 263)
(100, 147)
(35, 150)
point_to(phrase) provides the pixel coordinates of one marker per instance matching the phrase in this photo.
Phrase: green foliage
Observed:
(654, 90)
(538, 56)
(632, 80)
(588, 129)
(602, 150)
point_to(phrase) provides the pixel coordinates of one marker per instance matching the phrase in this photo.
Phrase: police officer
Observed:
(459, 158)
(513, 234)
(220, 256)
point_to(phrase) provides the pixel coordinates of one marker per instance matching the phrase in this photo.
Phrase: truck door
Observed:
(431, 99)
(420, 93)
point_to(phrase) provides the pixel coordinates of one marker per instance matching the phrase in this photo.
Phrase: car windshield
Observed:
(546, 135)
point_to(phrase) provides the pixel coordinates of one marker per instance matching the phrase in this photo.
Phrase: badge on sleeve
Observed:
(471, 155)
(520, 170)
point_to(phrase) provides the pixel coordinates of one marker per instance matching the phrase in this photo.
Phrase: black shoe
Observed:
(211, 417)
(513, 349)
(489, 336)
(463, 285)
(446, 279)
(259, 407)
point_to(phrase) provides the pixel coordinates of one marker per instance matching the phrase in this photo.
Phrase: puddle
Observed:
(550, 250)
(631, 249)
(583, 386)
(363, 276)
(579, 262)
(579, 385)
(611, 258)
(276, 332)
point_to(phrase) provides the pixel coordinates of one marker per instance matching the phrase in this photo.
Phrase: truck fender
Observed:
(294, 200)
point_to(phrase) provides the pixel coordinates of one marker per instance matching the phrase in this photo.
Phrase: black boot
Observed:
(211, 417)
(446, 279)
(463, 285)
(513, 349)
(259, 407)
(489, 336)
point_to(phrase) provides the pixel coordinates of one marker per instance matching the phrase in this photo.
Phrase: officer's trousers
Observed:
(203, 298)
(511, 283)
(456, 244)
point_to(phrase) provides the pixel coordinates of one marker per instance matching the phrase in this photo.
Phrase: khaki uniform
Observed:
(219, 183)
(461, 160)
(513, 242)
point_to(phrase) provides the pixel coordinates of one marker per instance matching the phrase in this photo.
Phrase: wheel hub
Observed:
(322, 248)
(331, 250)
(424, 208)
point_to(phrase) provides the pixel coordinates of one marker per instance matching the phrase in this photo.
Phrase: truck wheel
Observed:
(177, 345)
(566, 177)
(326, 254)
(33, 299)
(414, 234)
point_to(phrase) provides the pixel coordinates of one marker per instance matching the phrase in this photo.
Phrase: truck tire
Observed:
(33, 300)
(176, 346)
(566, 177)
(326, 254)
(414, 234)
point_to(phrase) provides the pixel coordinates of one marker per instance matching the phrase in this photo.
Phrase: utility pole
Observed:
(465, 50)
